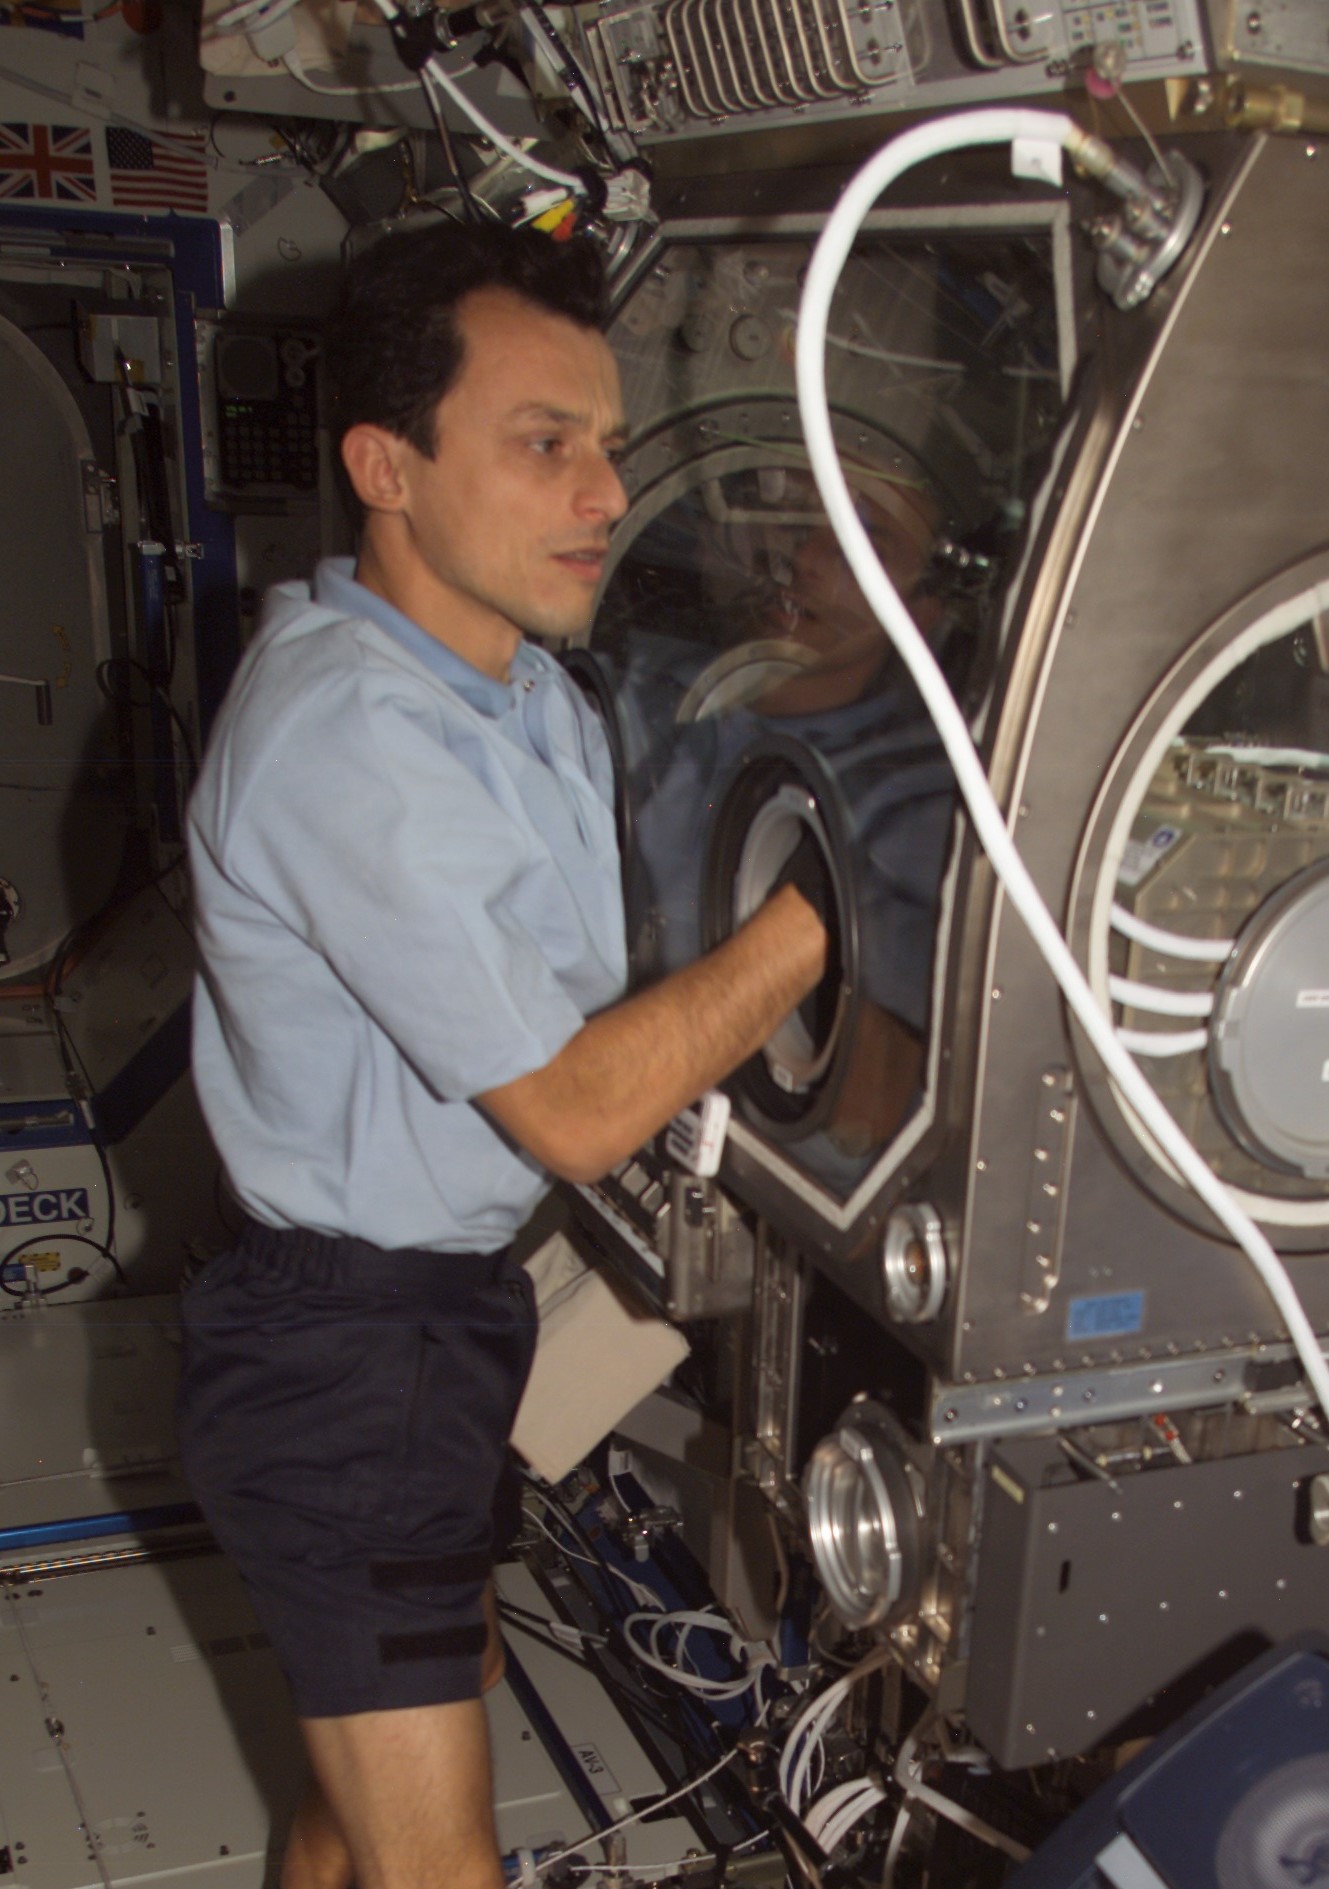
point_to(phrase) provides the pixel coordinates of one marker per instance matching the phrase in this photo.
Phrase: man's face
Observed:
(512, 516)
(820, 606)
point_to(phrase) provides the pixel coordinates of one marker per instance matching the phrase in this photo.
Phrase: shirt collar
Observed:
(335, 587)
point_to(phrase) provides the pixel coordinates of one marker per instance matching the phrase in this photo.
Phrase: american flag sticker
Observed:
(51, 162)
(157, 173)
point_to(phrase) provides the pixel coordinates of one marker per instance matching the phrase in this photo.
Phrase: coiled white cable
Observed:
(1165, 1003)
(1163, 1042)
(1172, 944)
(1037, 139)
(693, 1681)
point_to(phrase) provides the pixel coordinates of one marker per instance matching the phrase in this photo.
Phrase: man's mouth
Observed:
(585, 561)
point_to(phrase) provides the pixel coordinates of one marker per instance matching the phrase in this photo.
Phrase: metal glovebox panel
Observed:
(755, 702)
(1180, 700)
(1063, 1648)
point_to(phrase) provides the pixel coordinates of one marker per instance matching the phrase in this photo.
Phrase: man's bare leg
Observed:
(412, 1793)
(316, 1853)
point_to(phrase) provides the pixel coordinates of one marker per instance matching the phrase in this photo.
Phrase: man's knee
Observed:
(412, 1791)
(317, 1854)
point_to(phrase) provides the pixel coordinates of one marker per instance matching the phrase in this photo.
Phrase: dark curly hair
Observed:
(393, 348)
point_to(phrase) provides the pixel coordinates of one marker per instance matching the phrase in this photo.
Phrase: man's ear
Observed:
(372, 457)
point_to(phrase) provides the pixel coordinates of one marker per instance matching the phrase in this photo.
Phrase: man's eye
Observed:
(546, 446)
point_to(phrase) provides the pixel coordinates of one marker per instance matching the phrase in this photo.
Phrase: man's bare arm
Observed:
(629, 1069)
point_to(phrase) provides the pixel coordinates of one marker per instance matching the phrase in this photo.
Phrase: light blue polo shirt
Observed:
(407, 888)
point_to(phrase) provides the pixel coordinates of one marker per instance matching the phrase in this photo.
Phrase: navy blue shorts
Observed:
(343, 1420)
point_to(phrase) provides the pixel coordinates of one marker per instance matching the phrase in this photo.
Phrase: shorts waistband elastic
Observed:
(325, 1260)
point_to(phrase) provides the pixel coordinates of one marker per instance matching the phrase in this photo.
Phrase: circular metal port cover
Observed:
(864, 1514)
(1269, 1043)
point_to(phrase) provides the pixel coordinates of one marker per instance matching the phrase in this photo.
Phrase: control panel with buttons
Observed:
(260, 413)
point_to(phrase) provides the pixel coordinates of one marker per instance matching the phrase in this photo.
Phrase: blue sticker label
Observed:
(1114, 1315)
(45, 1208)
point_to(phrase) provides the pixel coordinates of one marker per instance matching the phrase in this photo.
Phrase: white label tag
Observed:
(1139, 857)
(695, 1138)
(596, 1770)
(1039, 159)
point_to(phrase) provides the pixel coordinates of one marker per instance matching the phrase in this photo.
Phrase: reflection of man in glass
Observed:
(854, 704)
(805, 656)
(817, 607)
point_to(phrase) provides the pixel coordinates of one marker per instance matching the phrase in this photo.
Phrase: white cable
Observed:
(821, 1705)
(853, 1812)
(691, 1682)
(809, 1727)
(1172, 944)
(826, 1806)
(835, 1805)
(433, 73)
(1163, 1042)
(572, 1553)
(643, 1595)
(908, 1775)
(1166, 1003)
(658, 1871)
(1031, 133)
(647, 1810)
(966, 1820)
(795, 1785)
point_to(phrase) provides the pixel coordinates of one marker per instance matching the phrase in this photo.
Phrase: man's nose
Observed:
(602, 494)
(819, 562)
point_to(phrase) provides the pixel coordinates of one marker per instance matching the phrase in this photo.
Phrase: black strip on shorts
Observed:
(445, 1570)
(447, 1643)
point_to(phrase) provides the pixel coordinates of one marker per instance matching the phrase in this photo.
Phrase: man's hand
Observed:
(808, 870)
(631, 1068)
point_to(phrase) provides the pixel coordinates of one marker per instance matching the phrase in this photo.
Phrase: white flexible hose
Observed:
(1163, 1042)
(865, 1799)
(832, 1802)
(1164, 1003)
(1171, 944)
(1031, 133)
(804, 1739)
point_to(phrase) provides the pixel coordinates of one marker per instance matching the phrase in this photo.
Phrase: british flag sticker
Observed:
(47, 163)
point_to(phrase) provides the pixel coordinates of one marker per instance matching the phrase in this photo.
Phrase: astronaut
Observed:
(411, 1014)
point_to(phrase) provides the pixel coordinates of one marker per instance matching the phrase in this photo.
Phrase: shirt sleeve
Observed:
(366, 836)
